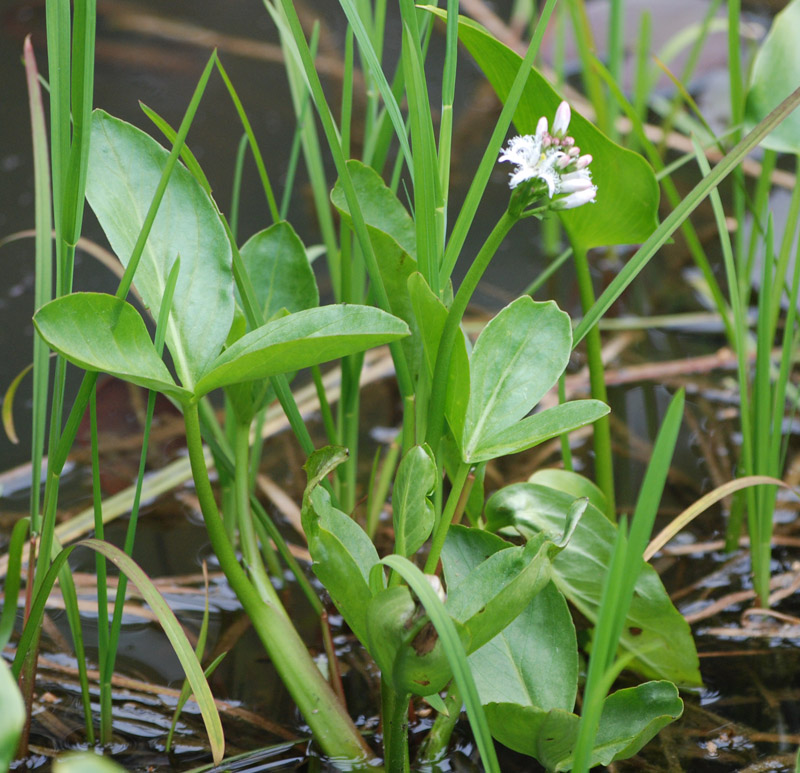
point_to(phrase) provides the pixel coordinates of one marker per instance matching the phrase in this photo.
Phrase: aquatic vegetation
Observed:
(475, 615)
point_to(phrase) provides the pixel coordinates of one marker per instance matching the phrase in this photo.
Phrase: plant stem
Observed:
(451, 326)
(395, 728)
(332, 727)
(603, 463)
(435, 744)
(248, 540)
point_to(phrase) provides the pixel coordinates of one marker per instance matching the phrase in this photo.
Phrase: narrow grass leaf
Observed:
(660, 236)
(256, 151)
(43, 282)
(187, 156)
(372, 60)
(8, 405)
(16, 545)
(702, 504)
(166, 618)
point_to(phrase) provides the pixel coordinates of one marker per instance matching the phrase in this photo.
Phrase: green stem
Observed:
(395, 728)
(248, 540)
(603, 463)
(435, 744)
(451, 326)
(329, 722)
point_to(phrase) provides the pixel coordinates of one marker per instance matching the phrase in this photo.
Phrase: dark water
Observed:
(748, 710)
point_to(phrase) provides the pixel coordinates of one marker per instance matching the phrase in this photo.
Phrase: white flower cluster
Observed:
(555, 159)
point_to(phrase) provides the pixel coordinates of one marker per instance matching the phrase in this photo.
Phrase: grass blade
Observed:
(681, 212)
(166, 618)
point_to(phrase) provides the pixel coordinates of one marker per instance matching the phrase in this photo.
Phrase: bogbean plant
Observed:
(492, 630)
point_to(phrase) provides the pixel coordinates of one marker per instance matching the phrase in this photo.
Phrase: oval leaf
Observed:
(277, 263)
(495, 591)
(419, 667)
(99, 332)
(630, 718)
(519, 355)
(412, 509)
(125, 166)
(653, 627)
(534, 660)
(301, 340)
(343, 554)
(85, 762)
(380, 207)
(538, 428)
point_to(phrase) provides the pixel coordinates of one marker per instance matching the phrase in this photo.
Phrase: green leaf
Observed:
(412, 509)
(301, 340)
(12, 716)
(572, 483)
(99, 332)
(13, 578)
(776, 73)
(578, 572)
(519, 355)
(538, 428)
(431, 314)
(627, 192)
(125, 167)
(450, 633)
(392, 234)
(630, 718)
(342, 552)
(515, 664)
(534, 660)
(499, 588)
(419, 666)
(380, 207)
(85, 762)
(278, 267)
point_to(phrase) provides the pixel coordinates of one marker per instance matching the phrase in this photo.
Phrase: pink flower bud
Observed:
(561, 121)
(583, 162)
